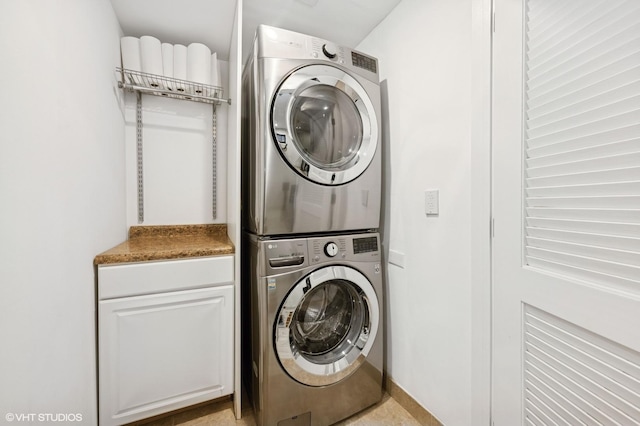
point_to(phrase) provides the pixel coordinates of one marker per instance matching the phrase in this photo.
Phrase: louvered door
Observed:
(566, 204)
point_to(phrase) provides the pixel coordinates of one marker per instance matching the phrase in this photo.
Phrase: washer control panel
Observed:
(365, 245)
(331, 249)
(344, 247)
(327, 248)
(287, 254)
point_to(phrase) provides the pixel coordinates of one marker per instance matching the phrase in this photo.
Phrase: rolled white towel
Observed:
(199, 63)
(215, 72)
(151, 57)
(130, 51)
(167, 59)
(180, 64)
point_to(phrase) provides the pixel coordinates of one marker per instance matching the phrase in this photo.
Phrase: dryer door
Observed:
(324, 124)
(326, 325)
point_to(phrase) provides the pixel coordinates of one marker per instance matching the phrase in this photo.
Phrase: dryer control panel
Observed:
(365, 62)
(272, 42)
(327, 50)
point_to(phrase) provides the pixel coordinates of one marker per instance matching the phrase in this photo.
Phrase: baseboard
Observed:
(187, 413)
(421, 414)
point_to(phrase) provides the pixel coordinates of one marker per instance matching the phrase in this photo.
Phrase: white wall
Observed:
(177, 147)
(424, 49)
(62, 197)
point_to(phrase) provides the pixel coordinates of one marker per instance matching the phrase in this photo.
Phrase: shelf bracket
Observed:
(214, 163)
(139, 157)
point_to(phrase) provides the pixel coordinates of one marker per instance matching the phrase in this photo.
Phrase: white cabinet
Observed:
(165, 335)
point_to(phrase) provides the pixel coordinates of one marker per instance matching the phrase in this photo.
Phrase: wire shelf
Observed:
(168, 87)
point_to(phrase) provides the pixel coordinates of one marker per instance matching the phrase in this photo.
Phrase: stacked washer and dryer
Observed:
(311, 185)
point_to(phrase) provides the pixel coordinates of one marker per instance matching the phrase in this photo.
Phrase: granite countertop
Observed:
(165, 242)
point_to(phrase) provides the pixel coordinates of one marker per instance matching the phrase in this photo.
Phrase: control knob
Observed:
(330, 50)
(331, 249)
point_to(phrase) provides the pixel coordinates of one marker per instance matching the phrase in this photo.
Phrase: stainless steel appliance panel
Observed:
(281, 193)
(277, 396)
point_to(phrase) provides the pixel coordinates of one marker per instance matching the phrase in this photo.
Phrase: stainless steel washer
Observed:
(310, 137)
(316, 327)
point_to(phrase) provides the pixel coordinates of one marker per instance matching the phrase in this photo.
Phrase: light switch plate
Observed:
(431, 202)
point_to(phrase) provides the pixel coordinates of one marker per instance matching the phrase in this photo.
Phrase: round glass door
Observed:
(326, 325)
(324, 124)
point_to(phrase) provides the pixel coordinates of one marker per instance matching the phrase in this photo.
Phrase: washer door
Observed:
(324, 124)
(326, 325)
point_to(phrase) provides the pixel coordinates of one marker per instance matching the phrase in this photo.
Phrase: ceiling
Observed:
(344, 22)
(179, 21)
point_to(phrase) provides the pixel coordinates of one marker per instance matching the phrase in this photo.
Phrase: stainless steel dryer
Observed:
(316, 331)
(310, 136)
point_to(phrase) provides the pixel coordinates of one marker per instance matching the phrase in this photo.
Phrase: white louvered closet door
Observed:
(566, 206)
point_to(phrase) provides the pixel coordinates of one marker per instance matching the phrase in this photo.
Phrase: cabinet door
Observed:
(162, 352)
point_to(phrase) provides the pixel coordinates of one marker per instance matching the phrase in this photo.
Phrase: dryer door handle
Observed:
(286, 261)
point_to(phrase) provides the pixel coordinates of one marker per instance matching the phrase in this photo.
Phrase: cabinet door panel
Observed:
(164, 351)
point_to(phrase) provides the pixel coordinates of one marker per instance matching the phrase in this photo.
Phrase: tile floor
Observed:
(220, 413)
